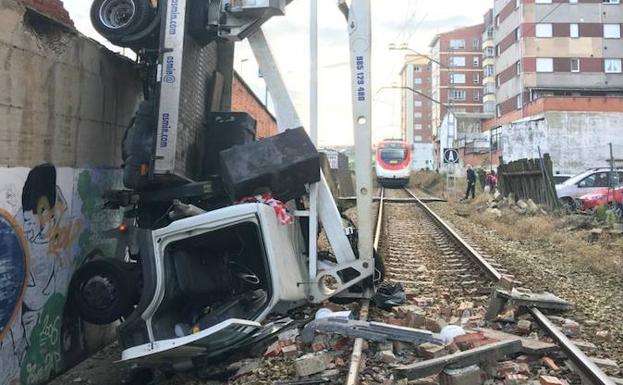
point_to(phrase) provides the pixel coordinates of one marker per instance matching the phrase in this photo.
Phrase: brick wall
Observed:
(53, 9)
(244, 100)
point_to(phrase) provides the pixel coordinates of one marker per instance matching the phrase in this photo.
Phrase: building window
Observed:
(417, 103)
(574, 30)
(519, 102)
(543, 1)
(476, 78)
(457, 61)
(457, 44)
(518, 68)
(498, 110)
(544, 65)
(613, 66)
(497, 21)
(417, 115)
(489, 52)
(457, 78)
(518, 34)
(517, 3)
(418, 138)
(476, 43)
(498, 50)
(476, 95)
(612, 31)
(573, 1)
(489, 71)
(611, 1)
(496, 135)
(417, 68)
(476, 61)
(544, 30)
(575, 65)
(417, 80)
(418, 126)
(458, 95)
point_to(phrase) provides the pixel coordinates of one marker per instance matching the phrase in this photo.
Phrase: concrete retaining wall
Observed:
(65, 102)
(575, 140)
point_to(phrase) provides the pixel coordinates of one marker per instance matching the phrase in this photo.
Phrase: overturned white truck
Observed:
(203, 271)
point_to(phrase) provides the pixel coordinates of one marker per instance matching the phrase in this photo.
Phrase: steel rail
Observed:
(475, 255)
(588, 368)
(584, 364)
(357, 355)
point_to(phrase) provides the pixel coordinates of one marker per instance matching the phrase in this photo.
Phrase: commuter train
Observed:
(393, 163)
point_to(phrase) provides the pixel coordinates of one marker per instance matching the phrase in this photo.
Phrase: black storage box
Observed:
(281, 164)
(225, 130)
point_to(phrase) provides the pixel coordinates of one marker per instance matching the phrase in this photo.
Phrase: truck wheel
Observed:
(114, 19)
(103, 291)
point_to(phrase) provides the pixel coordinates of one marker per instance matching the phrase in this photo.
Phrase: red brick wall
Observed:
(244, 100)
(53, 9)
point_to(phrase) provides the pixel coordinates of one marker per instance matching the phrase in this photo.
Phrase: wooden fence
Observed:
(529, 179)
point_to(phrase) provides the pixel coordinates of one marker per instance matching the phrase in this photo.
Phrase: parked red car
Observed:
(600, 197)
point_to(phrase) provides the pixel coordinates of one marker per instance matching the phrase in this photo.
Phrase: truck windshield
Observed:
(393, 155)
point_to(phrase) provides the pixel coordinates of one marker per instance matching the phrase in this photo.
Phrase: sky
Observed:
(411, 22)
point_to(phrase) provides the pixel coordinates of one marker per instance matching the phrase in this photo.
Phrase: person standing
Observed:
(471, 182)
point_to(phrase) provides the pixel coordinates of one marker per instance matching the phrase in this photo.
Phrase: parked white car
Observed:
(586, 183)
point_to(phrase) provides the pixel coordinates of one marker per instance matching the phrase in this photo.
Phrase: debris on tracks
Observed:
(480, 355)
(370, 331)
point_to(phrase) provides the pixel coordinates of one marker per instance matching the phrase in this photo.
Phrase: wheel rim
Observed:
(99, 293)
(116, 14)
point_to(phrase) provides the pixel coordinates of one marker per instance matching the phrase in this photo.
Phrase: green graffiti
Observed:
(43, 358)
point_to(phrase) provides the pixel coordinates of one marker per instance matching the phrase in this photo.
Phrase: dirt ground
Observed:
(555, 253)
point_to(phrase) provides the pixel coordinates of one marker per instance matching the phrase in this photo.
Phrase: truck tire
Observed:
(115, 19)
(103, 291)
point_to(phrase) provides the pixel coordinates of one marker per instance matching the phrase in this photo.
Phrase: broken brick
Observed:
(273, 350)
(311, 364)
(430, 351)
(550, 380)
(604, 335)
(570, 328)
(524, 326)
(515, 379)
(466, 341)
(550, 364)
(290, 351)
(435, 325)
(387, 356)
(465, 376)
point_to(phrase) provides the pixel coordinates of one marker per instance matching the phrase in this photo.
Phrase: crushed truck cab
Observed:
(214, 278)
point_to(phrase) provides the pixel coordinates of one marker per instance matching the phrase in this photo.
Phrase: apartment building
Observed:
(416, 123)
(457, 72)
(558, 80)
(556, 48)
(489, 101)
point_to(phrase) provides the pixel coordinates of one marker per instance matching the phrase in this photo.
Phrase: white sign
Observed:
(451, 155)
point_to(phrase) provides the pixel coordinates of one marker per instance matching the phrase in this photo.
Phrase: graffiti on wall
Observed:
(42, 242)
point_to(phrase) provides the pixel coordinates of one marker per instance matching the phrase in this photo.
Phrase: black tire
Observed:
(568, 204)
(104, 291)
(115, 19)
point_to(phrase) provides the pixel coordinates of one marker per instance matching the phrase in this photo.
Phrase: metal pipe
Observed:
(357, 355)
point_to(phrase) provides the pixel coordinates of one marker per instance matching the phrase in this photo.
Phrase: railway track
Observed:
(442, 272)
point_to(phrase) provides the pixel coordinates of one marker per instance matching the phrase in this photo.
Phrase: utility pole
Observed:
(611, 179)
(450, 167)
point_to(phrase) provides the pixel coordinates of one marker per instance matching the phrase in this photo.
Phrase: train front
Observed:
(393, 163)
